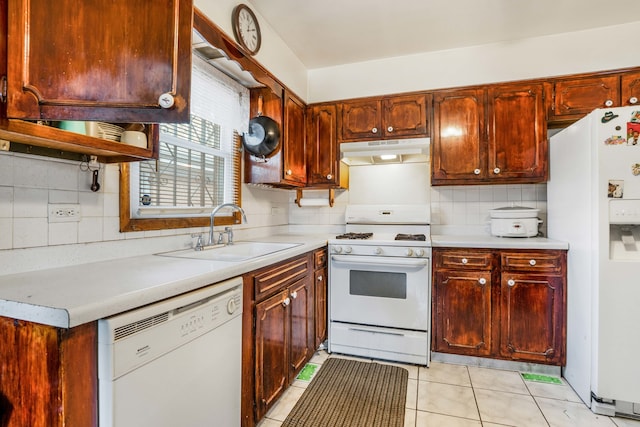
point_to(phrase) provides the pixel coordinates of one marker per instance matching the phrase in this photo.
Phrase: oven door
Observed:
(379, 291)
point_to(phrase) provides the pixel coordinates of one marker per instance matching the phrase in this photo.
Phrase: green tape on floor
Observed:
(542, 378)
(307, 372)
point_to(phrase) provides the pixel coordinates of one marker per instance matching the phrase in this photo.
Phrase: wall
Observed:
(578, 52)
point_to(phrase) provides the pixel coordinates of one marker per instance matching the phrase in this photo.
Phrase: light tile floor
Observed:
(446, 395)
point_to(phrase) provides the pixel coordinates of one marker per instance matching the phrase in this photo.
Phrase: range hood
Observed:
(413, 150)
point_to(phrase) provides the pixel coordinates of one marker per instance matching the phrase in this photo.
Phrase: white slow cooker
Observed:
(514, 221)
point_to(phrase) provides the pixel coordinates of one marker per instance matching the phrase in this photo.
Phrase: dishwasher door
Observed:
(173, 363)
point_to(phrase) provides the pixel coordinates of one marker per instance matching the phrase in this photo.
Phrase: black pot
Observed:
(263, 136)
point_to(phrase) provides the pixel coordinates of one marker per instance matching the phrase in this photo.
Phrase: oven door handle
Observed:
(365, 260)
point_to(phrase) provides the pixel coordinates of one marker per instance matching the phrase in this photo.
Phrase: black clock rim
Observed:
(236, 29)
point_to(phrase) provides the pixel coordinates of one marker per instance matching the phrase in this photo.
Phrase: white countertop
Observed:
(70, 296)
(492, 242)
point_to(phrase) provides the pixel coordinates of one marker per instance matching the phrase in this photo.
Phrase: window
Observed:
(199, 162)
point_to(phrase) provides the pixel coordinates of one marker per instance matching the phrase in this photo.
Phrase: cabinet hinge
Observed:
(3, 89)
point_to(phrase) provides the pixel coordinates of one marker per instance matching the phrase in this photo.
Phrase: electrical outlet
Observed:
(66, 212)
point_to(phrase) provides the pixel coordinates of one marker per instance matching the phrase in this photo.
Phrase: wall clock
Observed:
(246, 29)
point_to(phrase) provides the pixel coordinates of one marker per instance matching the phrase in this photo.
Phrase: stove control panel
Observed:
(381, 250)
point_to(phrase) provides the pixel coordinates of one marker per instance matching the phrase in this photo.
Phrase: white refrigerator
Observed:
(593, 198)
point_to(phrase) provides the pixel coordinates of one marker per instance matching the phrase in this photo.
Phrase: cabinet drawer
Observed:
(464, 259)
(544, 261)
(268, 281)
(319, 258)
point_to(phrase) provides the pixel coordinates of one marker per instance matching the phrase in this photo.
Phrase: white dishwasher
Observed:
(173, 363)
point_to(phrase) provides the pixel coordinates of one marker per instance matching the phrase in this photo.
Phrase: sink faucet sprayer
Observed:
(227, 229)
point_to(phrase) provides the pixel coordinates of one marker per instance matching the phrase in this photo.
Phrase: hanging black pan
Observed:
(263, 136)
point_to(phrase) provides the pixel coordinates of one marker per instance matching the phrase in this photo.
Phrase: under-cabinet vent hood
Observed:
(414, 150)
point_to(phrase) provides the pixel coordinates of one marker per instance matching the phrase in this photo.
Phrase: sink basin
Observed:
(239, 251)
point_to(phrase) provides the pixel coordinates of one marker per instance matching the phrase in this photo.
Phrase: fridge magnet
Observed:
(615, 140)
(615, 189)
(633, 133)
(635, 169)
(608, 116)
(635, 117)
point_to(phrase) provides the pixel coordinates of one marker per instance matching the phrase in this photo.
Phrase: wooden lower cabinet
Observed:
(320, 291)
(500, 304)
(279, 332)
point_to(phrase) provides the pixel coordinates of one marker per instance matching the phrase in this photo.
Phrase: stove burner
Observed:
(354, 236)
(418, 237)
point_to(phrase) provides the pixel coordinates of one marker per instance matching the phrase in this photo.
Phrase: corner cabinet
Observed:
(402, 116)
(278, 332)
(508, 304)
(116, 61)
(490, 135)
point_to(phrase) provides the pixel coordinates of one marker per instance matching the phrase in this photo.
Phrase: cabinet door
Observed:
(405, 116)
(294, 166)
(302, 326)
(97, 60)
(360, 120)
(630, 89)
(271, 350)
(320, 291)
(575, 98)
(462, 319)
(458, 147)
(532, 318)
(322, 146)
(517, 133)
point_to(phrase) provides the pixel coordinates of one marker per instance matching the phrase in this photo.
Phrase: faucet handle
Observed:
(220, 238)
(199, 243)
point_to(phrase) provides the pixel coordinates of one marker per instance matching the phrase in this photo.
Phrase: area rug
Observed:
(350, 393)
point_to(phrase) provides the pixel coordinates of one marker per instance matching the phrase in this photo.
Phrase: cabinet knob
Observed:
(329, 176)
(464, 260)
(289, 172)
(532, 262)
(511, 282)
(374, 130)
(320, 279)
(476, 171)
(294, 294)
(390, 129)
(166, 100)
(286, 302)
(482, 281)
(608, 103)
(496, 170)
(633, 100)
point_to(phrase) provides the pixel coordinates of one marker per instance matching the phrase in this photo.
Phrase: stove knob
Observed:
(408, 252)
(419, 252)
(347, 250)
(337, 249)
(377, 251)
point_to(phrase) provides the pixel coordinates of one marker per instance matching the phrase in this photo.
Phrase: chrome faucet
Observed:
(213, 214)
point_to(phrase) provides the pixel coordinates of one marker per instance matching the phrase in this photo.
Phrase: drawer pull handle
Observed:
(476, 171)
(319, 278)
(532, 262)
(482, 281)
(633, 100)
(511, 282)
(294, 295)
(608, 103)
(496, 170)
(390, 129)
(374, 130)
(464, 260)
(286, 302)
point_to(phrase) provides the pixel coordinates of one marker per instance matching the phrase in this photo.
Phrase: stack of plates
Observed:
(108, 131)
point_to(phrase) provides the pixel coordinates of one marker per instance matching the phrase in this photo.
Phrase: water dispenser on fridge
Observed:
(624, 229)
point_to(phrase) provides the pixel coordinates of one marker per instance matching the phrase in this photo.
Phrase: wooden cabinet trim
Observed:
(276, 277)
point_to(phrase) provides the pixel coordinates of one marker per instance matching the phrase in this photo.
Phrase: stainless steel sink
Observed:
(239, 251)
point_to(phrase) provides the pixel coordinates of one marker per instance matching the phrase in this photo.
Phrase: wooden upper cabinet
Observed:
(322, 146)
(630, 88)
(517, 133)
(572, 99)
(295, 168)
(490, 135)
(457, 142)
(116, 61)
(400, 116)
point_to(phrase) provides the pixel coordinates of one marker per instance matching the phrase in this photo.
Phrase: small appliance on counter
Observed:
(514, 221)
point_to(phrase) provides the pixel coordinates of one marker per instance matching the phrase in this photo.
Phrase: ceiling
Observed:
(324, 33)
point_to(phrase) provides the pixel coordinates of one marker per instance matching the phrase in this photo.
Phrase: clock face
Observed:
(246, 29)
